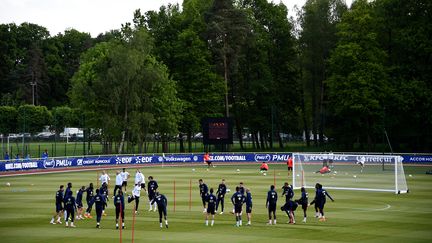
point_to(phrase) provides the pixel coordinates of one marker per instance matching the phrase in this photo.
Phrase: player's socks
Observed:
(304, 220)
(116, 226)
(52, 221)
(72, 225)
(212, 222)
(67, 224)
(206, 222)
(161, 225)
(166, 223)
(97, 225)
(274, 221)
(270, 222)
(249, 222)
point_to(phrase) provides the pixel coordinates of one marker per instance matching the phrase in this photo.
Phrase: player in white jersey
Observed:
(361, 161)
(136, 193)
(119, 182)
(125, 176)
(140, 179)
(104, 178)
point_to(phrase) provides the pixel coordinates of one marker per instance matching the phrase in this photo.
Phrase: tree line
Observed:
(359, 76)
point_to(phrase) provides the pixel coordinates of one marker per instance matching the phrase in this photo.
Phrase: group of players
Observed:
(67, 204)
(243, 195)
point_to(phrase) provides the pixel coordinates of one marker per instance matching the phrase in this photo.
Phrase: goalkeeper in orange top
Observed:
(207, 160)
(264, 168)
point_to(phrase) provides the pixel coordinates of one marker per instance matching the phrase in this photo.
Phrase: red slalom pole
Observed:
(133, 221)
(174, 196)
(190, 194)
(121, 222)
(274, 177)
(97, 179)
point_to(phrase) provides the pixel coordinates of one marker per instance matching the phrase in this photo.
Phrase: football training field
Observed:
(27, 205)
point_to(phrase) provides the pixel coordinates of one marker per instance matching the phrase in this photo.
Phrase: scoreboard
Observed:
(217, 131)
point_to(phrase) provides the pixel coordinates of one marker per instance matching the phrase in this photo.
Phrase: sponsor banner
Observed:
(418, 159)
(143, 159)
(338, 158)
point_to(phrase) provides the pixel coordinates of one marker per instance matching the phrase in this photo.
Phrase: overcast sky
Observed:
(91, 16)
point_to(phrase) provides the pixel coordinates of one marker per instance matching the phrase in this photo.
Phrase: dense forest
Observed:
(355, 77)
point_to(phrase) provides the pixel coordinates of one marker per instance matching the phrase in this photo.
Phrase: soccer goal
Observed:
(350, 172)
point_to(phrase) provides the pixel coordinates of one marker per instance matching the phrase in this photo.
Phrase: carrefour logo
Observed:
(262, 157)
(49, 163)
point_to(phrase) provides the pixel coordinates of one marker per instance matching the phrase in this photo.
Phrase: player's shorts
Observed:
(142, 185)
(211, 210)
(124, 183)
(162, 210)
(272, 207)
(59, 207)
(151, 196)
(304, 206)
(289, 168)
(79, 204)
(263, 169)
(208, 162)
(248, 209)
(237, 208)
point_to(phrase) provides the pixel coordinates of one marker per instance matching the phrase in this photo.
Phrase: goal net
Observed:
(350, 172)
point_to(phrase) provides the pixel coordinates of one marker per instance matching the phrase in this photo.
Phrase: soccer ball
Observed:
(238, 170)
(410, 175)
(264, 173)
(193, 169)
(7, 184)
(354, 176)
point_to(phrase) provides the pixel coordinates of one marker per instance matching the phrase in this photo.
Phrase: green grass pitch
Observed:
(27, 205)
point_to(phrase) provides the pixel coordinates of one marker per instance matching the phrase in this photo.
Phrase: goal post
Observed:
(349, 172)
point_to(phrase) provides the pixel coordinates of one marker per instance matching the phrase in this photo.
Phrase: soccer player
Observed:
(6, 157)
(104, 192)
(66, 193)
(118, 183)
(248, 206)
(203, 193)
(125, 176)
(304, 202)
(324, 170)
(271, 202)
(162, 203)
(104, 178)
(211, 206)
(140, 179)
(237, 200)
(221, 191)
(99, 202)
(290, 164)
(59, 207)
(289, 208)
(70, 208)
(288, 191)
(152, 187)
(264, 168)
(320, 200)
(119, 208)
(361, 162)
(136, 193)
(89, 199)
(207, 160)
(79, 203)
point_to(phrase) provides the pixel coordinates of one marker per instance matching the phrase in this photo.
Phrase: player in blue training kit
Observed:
(237, 200)
(70, 207)
(162, 204)
(79, 203)
(203, 193)
(104, 192)
(99, 202)
(211, 206)
(59, 206)
(290, 208)
(89, 198)
(303, 201)
(119, 208)
(271, 202)
(320, 200)
(221, 191)
(288, 191)
(248, 206)
(152, 187)
(68, 189)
